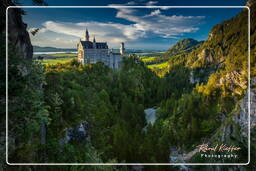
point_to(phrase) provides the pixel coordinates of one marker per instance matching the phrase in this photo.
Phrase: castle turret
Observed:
(87, 37)
(122, 49)
(94, 43)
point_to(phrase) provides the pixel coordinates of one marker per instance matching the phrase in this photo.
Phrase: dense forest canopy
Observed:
(202, 85)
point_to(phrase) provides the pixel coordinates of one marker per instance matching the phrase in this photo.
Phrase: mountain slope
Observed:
(183, 46)
(225, 53)
(215, 111)
(173, 56)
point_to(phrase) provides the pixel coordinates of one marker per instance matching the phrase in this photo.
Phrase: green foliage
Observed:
(113, 101)
(225, 56)
(188, 119)
(26, 107)
(173, 56)
(182, 46)
(55, 61)
(178, 81)
(71, 153)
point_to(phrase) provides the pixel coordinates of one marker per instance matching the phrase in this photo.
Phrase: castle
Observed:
(92, 52)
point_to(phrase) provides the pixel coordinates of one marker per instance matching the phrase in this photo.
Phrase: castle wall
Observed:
(80, 53)
(89, 56)
(118, 61)
(96, 55)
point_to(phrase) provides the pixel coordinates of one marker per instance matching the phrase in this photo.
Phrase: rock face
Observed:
(206, 56)
(253, 104)
(240, 118)
(238, 123)
(150, 115)
(17, 33)
(78, 133)
(236, 81)
(193, 79)
(234, 128)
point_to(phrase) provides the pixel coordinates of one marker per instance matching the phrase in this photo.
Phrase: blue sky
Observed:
(149, 28)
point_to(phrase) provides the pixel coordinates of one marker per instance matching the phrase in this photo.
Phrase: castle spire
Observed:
(87, 37)
(94, 43)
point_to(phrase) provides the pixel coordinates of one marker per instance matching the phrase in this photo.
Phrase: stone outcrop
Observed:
(253, 104)
(210, 36)
(192, 78)
(17, 33)
(240, 118)
(237, 82)
(233, 128)
(78, 133)
(206, 56)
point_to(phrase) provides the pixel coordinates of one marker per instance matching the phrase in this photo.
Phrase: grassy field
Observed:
(158, 66)
(148, 59)
(64, 55)
(55, 61)
(52, 59)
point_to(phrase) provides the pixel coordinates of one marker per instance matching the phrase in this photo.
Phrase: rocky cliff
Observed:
(17, 33)
(226, 52)
(19, 39)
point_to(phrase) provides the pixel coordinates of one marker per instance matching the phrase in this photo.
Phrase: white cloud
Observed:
(60, 40)
(149, 3)
(158, 23)
(155, 12)
(155, 22)
(111, 32)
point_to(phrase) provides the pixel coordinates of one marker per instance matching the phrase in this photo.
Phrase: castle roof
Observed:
(89, 45)
(101, 45)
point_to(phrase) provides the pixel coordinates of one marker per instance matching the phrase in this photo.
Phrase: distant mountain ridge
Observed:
(183, 46)
(52, 49)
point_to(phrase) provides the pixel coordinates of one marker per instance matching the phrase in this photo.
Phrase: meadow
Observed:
(64, 55)
(155, 64)
(158, 66)
(148, 59)
(53, 59)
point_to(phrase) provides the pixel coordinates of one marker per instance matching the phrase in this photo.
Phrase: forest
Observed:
(199, 88)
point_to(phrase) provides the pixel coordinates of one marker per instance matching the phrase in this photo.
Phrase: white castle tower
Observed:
(122, 49)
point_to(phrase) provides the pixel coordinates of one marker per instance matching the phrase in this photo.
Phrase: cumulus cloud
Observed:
(158, 23)
(154, 21)
(166, 26)
(155, 12)
(104, 31)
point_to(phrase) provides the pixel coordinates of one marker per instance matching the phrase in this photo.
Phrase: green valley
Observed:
(62, 110)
